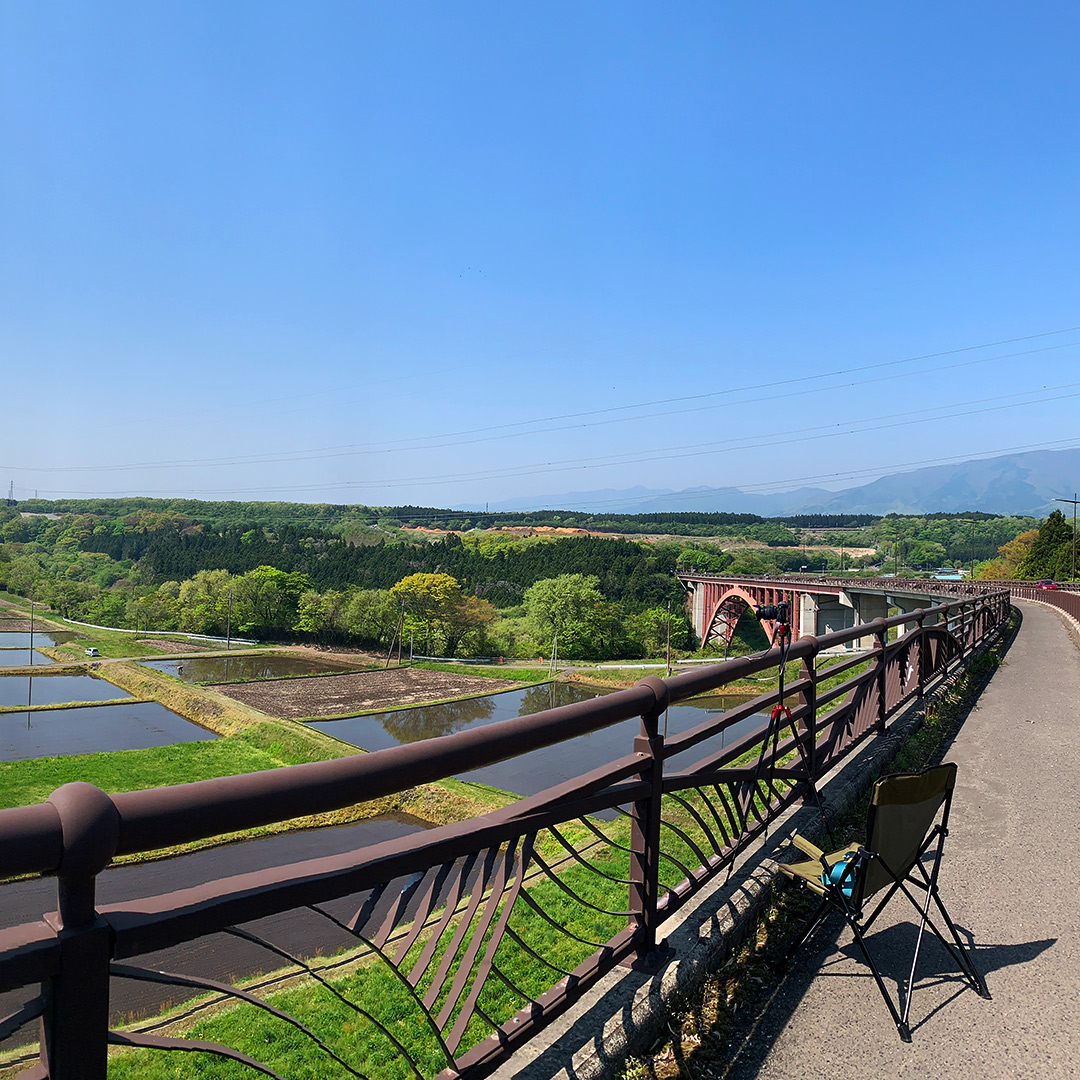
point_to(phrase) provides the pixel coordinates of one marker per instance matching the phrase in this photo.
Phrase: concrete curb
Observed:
(625, 1012)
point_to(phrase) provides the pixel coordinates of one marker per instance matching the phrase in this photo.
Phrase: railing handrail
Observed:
(33, 839)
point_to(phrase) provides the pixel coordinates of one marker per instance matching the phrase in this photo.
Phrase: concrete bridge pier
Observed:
(868, 606)
(904, 605)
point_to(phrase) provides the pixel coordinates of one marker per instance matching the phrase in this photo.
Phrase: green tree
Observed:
(570, 607)
(428, 600)
(202, 602)
(436, 606)
(371, 616)
(266, 599)
(1050, 551)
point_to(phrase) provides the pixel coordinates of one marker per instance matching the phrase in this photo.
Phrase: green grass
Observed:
(495, 671)
(262, 746)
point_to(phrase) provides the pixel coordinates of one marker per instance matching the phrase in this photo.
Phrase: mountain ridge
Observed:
(1024, 483)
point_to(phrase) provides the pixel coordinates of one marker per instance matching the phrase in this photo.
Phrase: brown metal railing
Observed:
(444, 916)
(1066, 596)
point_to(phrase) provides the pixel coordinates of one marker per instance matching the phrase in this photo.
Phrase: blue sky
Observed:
(445, 254)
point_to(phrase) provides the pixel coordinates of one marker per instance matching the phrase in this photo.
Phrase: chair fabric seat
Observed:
(809, 871)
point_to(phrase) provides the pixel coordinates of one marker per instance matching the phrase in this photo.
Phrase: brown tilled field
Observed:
(167, 645)
(365, 691)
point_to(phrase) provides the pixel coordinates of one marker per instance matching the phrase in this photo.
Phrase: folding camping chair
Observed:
(902, 826)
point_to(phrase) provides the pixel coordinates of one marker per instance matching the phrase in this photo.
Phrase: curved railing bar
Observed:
(556, 880)
(171, 978)
(693, 812)
(423, 912)
(450, 910)
(527, 948)
(446, 961)
(577, 857)
(529, 902)
(460, 981)
(408, 986)
(191, 1046)
(315, 974)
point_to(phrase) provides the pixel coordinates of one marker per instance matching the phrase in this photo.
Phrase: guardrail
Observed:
(463, 940)
(1065, 597)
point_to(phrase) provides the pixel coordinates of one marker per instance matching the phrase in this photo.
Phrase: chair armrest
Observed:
(806, 847)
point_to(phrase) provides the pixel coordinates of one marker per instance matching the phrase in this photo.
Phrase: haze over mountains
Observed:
(1012, 484)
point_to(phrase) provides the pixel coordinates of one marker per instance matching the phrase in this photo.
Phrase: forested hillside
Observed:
(364, 575)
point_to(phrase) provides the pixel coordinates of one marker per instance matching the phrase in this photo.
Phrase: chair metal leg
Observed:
(962, 953)
(901, 1022)
(809, 927)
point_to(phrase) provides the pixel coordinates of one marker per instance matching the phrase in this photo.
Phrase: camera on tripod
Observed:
(777, 612)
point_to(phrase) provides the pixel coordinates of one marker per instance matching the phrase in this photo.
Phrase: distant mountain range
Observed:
(1012, 484)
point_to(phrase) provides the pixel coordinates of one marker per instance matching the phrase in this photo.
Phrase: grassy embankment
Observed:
(111, 644)
(488, 671)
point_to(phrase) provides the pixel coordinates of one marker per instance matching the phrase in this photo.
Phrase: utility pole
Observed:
(228, 625)
(669, 639)
(31, 629)
(1073, 500)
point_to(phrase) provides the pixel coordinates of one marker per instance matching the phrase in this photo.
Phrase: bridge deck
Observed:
(1011, 877)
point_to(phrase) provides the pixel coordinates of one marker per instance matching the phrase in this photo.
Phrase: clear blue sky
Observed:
(362, 252)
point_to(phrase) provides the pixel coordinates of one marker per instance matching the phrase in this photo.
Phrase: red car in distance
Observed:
(1046, 583)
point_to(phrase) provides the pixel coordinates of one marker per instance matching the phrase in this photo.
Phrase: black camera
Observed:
(776, 612)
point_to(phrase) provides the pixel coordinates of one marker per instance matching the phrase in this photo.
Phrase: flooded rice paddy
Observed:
(22, 657)
(224, 669)
(26, 690)
(93, 729)
(540, 769)
(20, 639)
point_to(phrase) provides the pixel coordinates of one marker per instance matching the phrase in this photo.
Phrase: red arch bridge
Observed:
(818, 606)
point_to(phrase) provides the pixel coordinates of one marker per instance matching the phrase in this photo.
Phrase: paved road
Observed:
(1011, 877)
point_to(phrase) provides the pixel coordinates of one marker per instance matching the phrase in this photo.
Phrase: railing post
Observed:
(808, 698)
(881, 632)
(74, 1028)
(924, 658)
(645, 829)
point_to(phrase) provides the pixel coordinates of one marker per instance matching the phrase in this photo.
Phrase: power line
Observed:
(429, 443)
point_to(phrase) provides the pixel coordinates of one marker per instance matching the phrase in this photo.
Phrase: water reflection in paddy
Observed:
(20, 639)
(93, 729)
(22, 657)
(223, 669)
(56, 689)
(542, 768)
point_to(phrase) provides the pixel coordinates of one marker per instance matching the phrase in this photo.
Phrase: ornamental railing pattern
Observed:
(446, 949)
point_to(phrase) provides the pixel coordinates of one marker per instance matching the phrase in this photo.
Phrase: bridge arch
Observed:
(727, 605)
